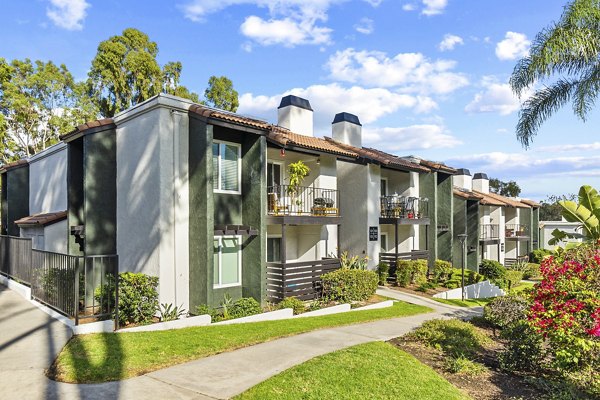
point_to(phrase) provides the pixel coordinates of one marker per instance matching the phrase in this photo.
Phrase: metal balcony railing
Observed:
(489, 231)
(302, 200)
(404, 207)
(516, 230)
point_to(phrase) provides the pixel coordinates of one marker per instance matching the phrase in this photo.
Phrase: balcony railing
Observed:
(310, 201)
(404, 207)
(489, 231)
(516, 230)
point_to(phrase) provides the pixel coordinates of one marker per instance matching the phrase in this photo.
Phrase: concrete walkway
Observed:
(30, 341)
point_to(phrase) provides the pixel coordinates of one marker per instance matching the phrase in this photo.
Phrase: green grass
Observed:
(465, 303)
(114, 356)
(521, 286)
(369, 371)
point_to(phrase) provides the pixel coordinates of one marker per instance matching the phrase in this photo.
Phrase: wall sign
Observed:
(373, 233)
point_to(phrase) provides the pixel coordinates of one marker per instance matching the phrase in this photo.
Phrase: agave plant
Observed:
(586, 213)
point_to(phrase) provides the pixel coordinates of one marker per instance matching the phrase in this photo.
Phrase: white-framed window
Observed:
(274, 173)
(383, 237)
(227, 261)
(384, 186)
(273, 248)
(227, 167)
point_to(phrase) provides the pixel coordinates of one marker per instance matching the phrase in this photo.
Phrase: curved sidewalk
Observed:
(35, 339)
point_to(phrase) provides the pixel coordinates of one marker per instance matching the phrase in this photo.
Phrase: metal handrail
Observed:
(302, 200)
(408, 207)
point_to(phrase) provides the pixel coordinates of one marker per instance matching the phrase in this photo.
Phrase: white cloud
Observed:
(434, 7)
(409, 7)
(328, 100)
(365, 26)
(570, 147)
(495, 98)
(515, 45)
(413, 137)
(68, 14)
(290, 22)
(410, 72)
(450, 42)
(287, 32)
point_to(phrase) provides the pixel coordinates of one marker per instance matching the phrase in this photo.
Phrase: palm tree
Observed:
(565, 56)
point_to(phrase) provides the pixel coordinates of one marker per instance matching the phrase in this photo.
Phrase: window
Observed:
(227, 167)
(273, 249)
(273, 174)
(384, 186)
(384, 244)
(227, 261)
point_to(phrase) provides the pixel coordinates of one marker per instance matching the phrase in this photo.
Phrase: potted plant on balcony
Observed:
(296, 173)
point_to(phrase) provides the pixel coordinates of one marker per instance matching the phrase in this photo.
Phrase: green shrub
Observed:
(471, 277)
(138, 298)
(529, 270)
(244, 307)
(452, 336)
(354, 262)
(452, 283)
(524, 350)
(295, 304)
(383, 270)
(411, 272)
(204, 309)
(504, 312)
(492, 270)
(442, 270)
(463, 366)
(512, 278)
(168, 312)
(538, 255)
(347, 285)
(424, 287)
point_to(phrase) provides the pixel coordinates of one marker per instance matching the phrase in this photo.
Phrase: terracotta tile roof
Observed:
(379, 156)
(438, 166)
(488, 200)
(465, 194)
(229, 117)
(88, 125)
(13, 165)
(531, 203)
(285, 137)
(42, 219)
(502, 200)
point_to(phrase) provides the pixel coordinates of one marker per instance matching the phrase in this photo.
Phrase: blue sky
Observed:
(426, 77)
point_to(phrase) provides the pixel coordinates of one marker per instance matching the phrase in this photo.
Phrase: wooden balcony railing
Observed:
(302, 200)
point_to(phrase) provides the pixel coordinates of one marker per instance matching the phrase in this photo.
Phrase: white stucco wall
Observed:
(546, 228)
(152, 194)
(354, 231)
(48, 180)
(56, 237)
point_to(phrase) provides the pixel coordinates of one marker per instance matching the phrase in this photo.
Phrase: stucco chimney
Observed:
(481, 183)
(346, 128)
(295, 114)
(463, 179)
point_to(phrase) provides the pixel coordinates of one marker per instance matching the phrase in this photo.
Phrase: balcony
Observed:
(516, 232)
(404, 210)
(489, 233)
(302, 204)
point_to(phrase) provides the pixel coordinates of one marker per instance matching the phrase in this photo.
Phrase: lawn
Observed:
(522, 286)
(465, 303)
(374, 370)
(114, 356)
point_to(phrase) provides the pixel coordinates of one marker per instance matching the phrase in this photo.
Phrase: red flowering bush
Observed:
(566, 308)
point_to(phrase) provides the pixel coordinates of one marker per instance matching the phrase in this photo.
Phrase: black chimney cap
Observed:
(346, 117)
(480, 175)
(291, 100)
(463, 171)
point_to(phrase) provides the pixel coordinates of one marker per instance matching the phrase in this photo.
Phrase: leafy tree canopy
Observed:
(509, 189)
(221, 94)
(551, 210)
(38, 102)
(564, 56)
(125, 72)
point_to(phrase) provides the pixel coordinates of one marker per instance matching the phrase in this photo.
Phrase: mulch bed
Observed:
(492, 384)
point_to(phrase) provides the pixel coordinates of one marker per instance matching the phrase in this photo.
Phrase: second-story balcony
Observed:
(489, 232)
(409, 210)
(516, 232)
(309, 203)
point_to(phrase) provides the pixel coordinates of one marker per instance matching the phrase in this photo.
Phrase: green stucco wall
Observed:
(526, 218)
(100, 192)
(15, 198)
(473, 232)
(445, 214)
(535, 229)
(75, 196)
(427, 189)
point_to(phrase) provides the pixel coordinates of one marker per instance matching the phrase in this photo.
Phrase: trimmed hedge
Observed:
(347, 285)
(537, 256)
(411, 272)
(492, 269)
(512, 278)
(442, 270)
(455, 279)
